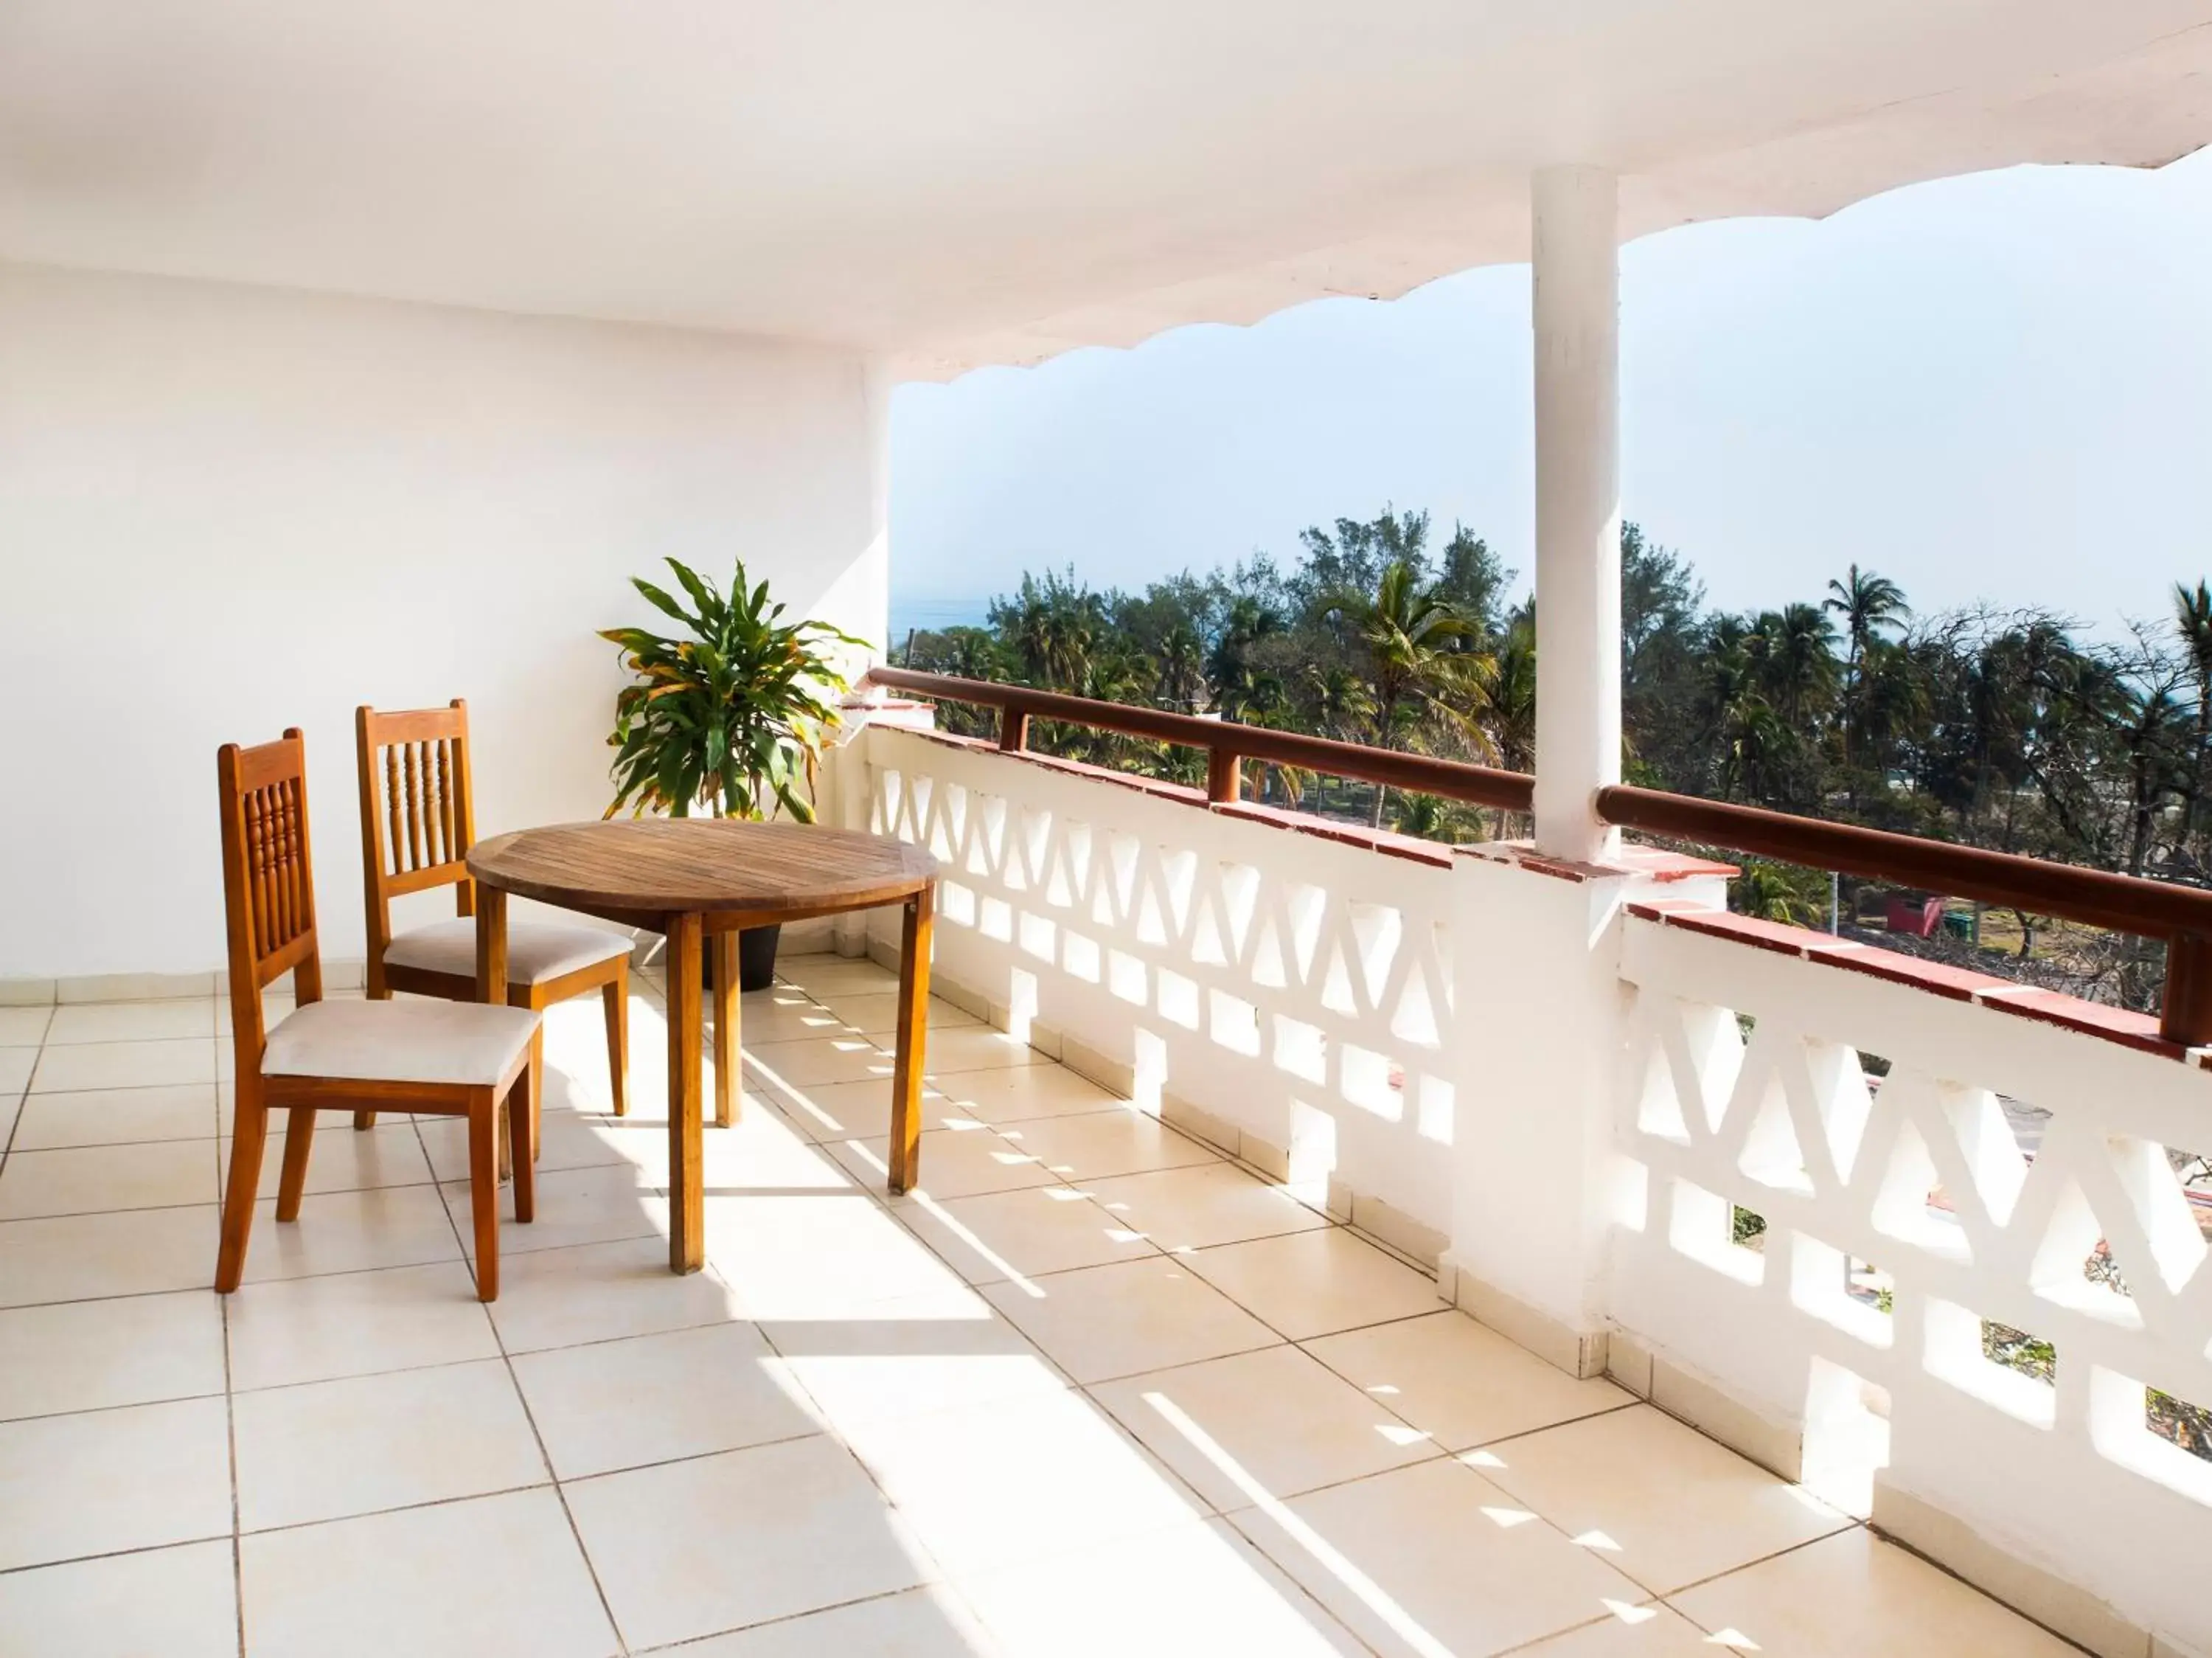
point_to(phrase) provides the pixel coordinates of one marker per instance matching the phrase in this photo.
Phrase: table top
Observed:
(702, 865)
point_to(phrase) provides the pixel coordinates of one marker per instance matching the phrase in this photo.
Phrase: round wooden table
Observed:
(695, 879)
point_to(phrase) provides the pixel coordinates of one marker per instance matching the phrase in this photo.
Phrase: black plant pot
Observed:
(756, 960)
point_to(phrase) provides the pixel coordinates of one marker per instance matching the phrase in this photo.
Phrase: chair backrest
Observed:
(268, 880)
(417, 812)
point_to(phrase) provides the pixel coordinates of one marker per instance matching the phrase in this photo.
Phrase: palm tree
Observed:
(1182, 677)
(1868, 604)
(1800, 662)
(1248, 621)
(1510, 701)
(1422, 655)
(2193, 612)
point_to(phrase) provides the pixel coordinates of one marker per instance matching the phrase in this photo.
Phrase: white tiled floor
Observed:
(1092, 1390)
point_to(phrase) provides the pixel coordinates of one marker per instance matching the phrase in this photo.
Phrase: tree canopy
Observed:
(1999, 727)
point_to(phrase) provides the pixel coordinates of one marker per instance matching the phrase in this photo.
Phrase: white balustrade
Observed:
(1291, 987)
(2002, 1179)
(1822, 1197)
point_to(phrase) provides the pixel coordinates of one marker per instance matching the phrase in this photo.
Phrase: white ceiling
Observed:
(954, 182)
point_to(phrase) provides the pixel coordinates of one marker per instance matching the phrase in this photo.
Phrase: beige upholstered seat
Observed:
(537, 951)
(467, 1044)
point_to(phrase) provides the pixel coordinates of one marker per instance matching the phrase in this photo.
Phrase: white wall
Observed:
(226, 510)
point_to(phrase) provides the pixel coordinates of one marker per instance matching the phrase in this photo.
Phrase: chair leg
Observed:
(365, 1120)
(616, 996)
(249, 1133)
(484, 1188)
(298, 1141)
(537, 1084)
(521, 1108)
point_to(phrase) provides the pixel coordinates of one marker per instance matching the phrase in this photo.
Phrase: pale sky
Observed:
(1997, 388)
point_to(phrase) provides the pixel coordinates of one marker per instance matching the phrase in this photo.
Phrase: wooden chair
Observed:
(433, 1057)
(417, 823)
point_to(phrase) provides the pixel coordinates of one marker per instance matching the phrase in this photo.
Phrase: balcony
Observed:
(1326, 1241)
(1099, 1386)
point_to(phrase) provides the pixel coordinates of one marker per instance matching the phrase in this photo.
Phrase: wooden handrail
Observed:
(1225, 741)
(2182, 916)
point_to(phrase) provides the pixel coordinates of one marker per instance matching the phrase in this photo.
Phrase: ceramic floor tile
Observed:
(986, 1486)
(1018, 1093)
(1198, 1207)
(356, 1324)
(178, 1602)
(1286, 1420)
(575, 1206)
(827, 1256)
(340, 1160)
(124, 1065)
(1314, 1283)
(909, 1358)
(1199, 1591)
(352, 1232)
(455, 1580)
(132, 1251)
(1463, 1383)
(930, 1622)
(105, 1481)
(785, 1017)
(1098, 1145)
(858, 1111)
(94, 1179)
(1007, 1234)
(1674, 1506)
(1853, 1594)
(328, 1450)
(653, 1399)
(24, 1027)
(957, 1161)
(100, 1117)
(91, 1355)
(135, 1021)
(691, 1548)
(977, 1047)
(1650, 1630)
(826, 975)
(566, 1139)
(1435, 1558)
(876, 1015)
(599, 1292)
(1134, 1316)
(17, 1065)
(820, 1059)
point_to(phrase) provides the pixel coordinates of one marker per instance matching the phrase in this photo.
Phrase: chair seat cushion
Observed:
(465, 1043)
(536, 950)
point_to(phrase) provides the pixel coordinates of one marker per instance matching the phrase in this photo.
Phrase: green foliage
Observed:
(1995, 728)
(729, 718)
(1780, 892)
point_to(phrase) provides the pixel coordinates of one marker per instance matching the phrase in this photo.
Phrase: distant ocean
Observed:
(932, 614)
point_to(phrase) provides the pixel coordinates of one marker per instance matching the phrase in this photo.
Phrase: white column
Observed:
(1577, 321)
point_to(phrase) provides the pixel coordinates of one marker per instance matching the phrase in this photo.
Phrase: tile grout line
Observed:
(545, 1457)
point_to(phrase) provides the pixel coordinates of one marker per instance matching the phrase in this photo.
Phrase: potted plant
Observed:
(726, 718)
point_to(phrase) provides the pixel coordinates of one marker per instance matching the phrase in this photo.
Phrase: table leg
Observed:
(913, 1039)
(491, 974)
(687, 1218)
(728, 1085)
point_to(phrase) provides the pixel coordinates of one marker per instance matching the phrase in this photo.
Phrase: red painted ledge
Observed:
(2138, 1031)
